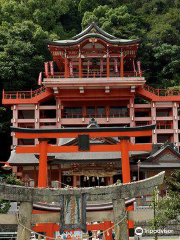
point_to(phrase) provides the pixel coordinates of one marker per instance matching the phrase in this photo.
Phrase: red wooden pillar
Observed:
(42, 177)
(108, 234)
(111, 180)
(50, 230)
(122, 65)
(66, 67)
(126, 174)
(80, 67)
(130, 222)
(125, 160)
(108, 67)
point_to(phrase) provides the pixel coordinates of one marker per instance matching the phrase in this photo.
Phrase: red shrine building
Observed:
(95, 80)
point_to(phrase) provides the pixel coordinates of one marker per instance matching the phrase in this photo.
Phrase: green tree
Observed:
(24, 27)
(22, 53)
(156, 23)
(9, 179)
(169, 208)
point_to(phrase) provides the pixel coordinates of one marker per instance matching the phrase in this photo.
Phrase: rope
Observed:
(45, 237)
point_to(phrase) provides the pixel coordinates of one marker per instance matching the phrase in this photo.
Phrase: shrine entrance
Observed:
(84, 135)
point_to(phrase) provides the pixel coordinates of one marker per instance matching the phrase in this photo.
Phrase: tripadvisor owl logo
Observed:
(139, 231)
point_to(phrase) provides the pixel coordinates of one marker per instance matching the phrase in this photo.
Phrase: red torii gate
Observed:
(43, 148)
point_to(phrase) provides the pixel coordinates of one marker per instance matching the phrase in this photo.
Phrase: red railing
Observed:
(23, 94)
(140, 124)
(114, 114)
(92, 74)
(159, 125)
(164, 125)
(162, 92)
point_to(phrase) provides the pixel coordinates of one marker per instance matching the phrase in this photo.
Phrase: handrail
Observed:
(162, 92)
(23, 94)
(92, 73)
(161, 125)
(80, 114)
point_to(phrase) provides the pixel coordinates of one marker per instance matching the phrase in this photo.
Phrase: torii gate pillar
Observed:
(125, 160)
(42, 177)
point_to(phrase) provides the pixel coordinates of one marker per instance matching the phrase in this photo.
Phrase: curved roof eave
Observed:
(90, 35)
(93, 25)
(83, 130)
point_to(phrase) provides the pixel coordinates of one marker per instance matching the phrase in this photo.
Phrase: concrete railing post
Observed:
(121, 230)
(25, 215)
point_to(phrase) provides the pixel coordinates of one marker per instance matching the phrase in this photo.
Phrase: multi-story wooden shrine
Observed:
(95, 76)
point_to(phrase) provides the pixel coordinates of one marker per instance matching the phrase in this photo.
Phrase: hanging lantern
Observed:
(6, 166)
(85, 179)
(102, 180)
(93, 179)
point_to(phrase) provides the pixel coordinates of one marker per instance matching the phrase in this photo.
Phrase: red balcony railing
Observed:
(162, 92)
(93, 74)
(23, 94)
(164, 125)
(94, 114)
(159, 125)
